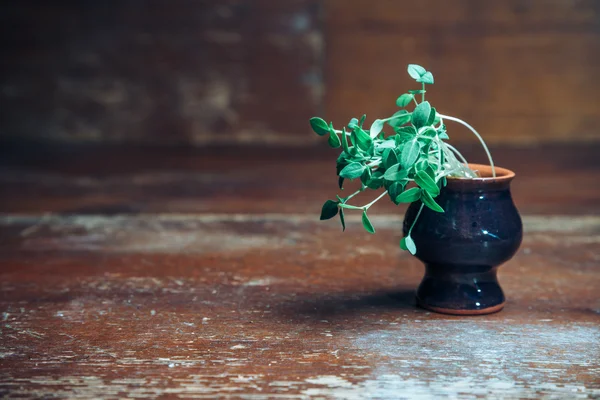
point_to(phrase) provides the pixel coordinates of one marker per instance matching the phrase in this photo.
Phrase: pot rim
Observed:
(502, 174)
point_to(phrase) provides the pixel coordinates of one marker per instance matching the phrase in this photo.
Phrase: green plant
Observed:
(411, 164)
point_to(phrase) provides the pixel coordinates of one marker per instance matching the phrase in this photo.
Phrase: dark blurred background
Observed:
(111, 87)
(253, 71)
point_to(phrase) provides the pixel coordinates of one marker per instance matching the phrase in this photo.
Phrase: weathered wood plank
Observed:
(550, 179)
(197, 72)
(184, 72)
(519, 71)
(269, 306)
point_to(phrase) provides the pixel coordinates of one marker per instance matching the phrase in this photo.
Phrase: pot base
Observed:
(452, 311)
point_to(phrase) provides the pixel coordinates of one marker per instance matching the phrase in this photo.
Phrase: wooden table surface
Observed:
(205, 273)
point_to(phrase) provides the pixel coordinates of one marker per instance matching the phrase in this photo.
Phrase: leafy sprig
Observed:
(411, 164)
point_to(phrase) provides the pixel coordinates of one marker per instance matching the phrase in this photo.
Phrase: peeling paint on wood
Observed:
(112, 306)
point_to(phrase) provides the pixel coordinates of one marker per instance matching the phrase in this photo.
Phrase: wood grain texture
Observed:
(197, 72)
(204, 273)
(519, 71)
(266, 306)
(112, 179)
(146, 71)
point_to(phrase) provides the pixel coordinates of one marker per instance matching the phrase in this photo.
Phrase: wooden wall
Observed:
(166, 71)
(253, 71)
(518, 70)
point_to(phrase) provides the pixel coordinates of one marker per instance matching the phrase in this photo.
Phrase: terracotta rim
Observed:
(452, 311)
(502, 174)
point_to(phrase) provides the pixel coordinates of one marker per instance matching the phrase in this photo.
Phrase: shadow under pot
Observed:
(463, 247)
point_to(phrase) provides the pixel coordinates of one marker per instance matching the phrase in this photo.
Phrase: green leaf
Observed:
(352, 124)
(420, 115)
(352, 171)
(427, 77)
(319, 126)
(334, 140)
(409, 244)
(376, 180)
(341, 182)
(421, 165)
(366, 176)
(362, 120)
(395, 173)
(443, 135)
(395, 189)
(430, 202)
(399, 118)
(403, 244)
(405, 133)
(329, 210)
(361, 139)
(341, 163)
(389, 158)
(431, 172)
(342, 220)
(376, 127)
(345, 141)
(410, 153)
(425, 181)
(404, 100)
(427, 133)
(408, 196)
(366, 223)
(432, 115)
(416, 71)
(386, 144)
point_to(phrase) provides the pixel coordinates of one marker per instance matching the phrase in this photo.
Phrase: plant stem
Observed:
(445, 173)
(423, 94)
(487, 152)
(341, 132)
(350, 207)
(353, 194)
(375, 201)
(366, 206)
(416, 218)
(464, 160)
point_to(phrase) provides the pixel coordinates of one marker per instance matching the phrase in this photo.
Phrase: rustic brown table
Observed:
(206, 273)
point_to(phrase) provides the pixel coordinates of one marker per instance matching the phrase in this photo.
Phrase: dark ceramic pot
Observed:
(463, 247)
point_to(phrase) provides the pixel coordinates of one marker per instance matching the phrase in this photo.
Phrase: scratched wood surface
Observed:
(206, 274)
(111, 180)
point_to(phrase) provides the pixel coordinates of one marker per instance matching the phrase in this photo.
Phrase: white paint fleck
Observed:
(522, 361)
(265, 281)
(330, 381)
(153, 312)
(237, 347)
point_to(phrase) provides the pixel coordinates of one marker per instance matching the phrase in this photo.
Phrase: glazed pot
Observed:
(463, 247)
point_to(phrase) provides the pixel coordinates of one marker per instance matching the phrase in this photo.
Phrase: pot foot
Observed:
(460, 290)
(452, 311)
